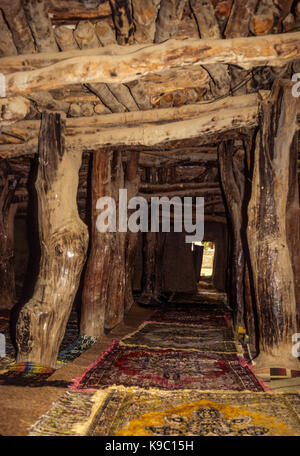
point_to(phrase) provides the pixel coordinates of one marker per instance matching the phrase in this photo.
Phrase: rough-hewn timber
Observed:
(63, 240)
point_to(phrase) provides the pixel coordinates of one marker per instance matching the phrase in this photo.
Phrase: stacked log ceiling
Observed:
(209, 28)
(266, 233)
(104, 283)
(7, 212)
(63, 241)
(169, 16)
(122, 15)
(233, 188)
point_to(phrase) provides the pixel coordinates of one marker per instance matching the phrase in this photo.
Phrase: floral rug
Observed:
(166, 369)
(122, 411)
(181, 337)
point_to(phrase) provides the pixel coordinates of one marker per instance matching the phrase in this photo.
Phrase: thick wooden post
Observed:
(114, 312)
(293, 221)
(7, 213)
(132, 185)
(266, 233)
(233, 187)
(103, 293)
(63, 239)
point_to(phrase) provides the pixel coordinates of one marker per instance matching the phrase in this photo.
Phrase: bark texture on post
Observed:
(63, 239)
(7, 212)
(233, 187)
(266, 233)
(103, 293)
(293, 221)
(114, 311)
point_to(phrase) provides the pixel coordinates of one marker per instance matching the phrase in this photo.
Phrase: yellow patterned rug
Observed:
(120, 411)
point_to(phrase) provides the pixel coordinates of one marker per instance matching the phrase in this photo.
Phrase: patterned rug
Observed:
(136, 412)
(72, 351)
(25, 374)
(163, 336)
(191, 317)
(202, 308)
(166, 369)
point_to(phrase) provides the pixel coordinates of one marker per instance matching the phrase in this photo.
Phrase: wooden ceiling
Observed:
(46, 32)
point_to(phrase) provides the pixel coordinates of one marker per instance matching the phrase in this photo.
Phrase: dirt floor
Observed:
(22, 406)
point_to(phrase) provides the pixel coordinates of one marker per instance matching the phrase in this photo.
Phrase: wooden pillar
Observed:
(266, 233)
(233, 187)
(293, 221)
(104, 283)
(7, 213)
(63, 239)
(132, 185)
(114, 312)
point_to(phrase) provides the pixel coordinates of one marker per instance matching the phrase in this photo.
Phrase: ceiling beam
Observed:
(122, 64)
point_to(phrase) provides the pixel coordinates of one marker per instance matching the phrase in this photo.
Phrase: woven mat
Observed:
(202, 308)
(191, 317)
(181, 337)
(122, 411)
(166, 369)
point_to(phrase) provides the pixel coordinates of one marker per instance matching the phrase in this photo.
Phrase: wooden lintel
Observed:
(120, 64)
(146, 128)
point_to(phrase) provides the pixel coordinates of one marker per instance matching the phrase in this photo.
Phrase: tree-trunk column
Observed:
(63, 238)
(7, 213)
(104, 282)
(132, 185)
(266, 232)
(233, 187)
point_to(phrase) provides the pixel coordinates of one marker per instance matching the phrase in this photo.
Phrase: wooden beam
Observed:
(63, 241)
(15, 18)
(148, 128)
(208, 26)
(13, 110)
(156, 188)
(118, 64)
(122, 16)
(144, 16)
(71, 11)
(40, 24)
(7, 45)
(240, 15)
(169, 16)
